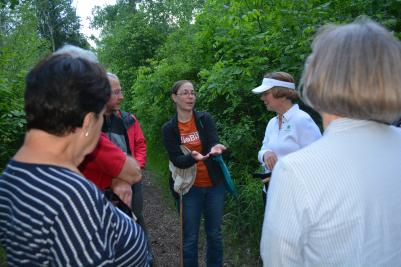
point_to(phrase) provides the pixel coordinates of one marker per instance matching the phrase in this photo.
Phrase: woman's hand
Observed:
(217, 150)
(123, 190)
(198, 156)
(270, 159)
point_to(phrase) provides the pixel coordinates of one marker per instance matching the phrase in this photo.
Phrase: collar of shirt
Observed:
(293, 110)
(343, 124)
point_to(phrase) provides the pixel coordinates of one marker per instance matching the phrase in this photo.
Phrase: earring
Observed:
(86, 134)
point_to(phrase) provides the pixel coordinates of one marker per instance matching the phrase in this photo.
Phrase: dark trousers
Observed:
(137, 208)
(209, 202)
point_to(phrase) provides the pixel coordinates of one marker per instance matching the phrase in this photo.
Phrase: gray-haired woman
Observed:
(337, 202)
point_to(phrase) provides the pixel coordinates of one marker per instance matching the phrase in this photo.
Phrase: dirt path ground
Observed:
(162, 224)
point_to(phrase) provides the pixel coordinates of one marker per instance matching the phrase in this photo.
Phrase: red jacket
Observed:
(137, 141)
(107, 160)
(104, 163)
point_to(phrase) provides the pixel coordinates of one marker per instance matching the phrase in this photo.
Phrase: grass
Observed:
(3, 257)
(157, 163)
(242, 226)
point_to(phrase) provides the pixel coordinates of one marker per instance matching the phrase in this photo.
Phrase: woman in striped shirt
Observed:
(49, 213)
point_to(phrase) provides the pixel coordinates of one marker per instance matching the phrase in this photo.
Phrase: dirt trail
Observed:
(163, 223)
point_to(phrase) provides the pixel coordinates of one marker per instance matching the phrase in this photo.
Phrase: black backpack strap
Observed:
(128, 121)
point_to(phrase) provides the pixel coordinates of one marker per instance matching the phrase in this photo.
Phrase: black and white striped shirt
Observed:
(50, 215)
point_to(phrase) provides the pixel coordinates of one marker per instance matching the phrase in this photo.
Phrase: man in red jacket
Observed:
(123, 129)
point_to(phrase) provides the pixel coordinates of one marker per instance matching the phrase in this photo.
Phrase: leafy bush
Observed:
(20, 49)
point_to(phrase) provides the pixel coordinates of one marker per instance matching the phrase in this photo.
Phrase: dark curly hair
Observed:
(60, 90)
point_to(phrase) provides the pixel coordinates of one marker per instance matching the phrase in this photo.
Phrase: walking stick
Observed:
(181, 234)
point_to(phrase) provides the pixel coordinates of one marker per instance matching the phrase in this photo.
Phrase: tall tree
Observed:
(59, 23)
(132, 31)
(20, 48)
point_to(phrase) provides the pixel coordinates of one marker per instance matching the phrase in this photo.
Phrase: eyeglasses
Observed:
(117, 92)
(186, 93)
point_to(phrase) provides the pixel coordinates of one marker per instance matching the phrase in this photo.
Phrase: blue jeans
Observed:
(208, 201)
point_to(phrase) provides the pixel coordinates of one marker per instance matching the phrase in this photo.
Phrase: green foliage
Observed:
(8, 3)
(20, 48)
(3, 257)
(29, 29)
(243, 220)
(156, 162)
(58, 23)
(131, 34)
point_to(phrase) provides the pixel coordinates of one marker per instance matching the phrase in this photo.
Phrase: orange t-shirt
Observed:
(190, 138)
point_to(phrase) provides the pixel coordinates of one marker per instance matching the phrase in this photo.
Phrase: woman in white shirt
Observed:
(291, 129)
(337, 202)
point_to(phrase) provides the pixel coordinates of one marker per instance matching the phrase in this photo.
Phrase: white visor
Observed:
(268, 84)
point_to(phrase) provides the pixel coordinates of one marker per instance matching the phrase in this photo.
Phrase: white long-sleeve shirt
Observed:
(297, 131)
(337, 202)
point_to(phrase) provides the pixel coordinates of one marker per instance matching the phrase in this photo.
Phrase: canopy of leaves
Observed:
(58, 23)
(20, 46)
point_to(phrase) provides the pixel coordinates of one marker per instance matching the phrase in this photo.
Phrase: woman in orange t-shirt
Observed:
(197, 132)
